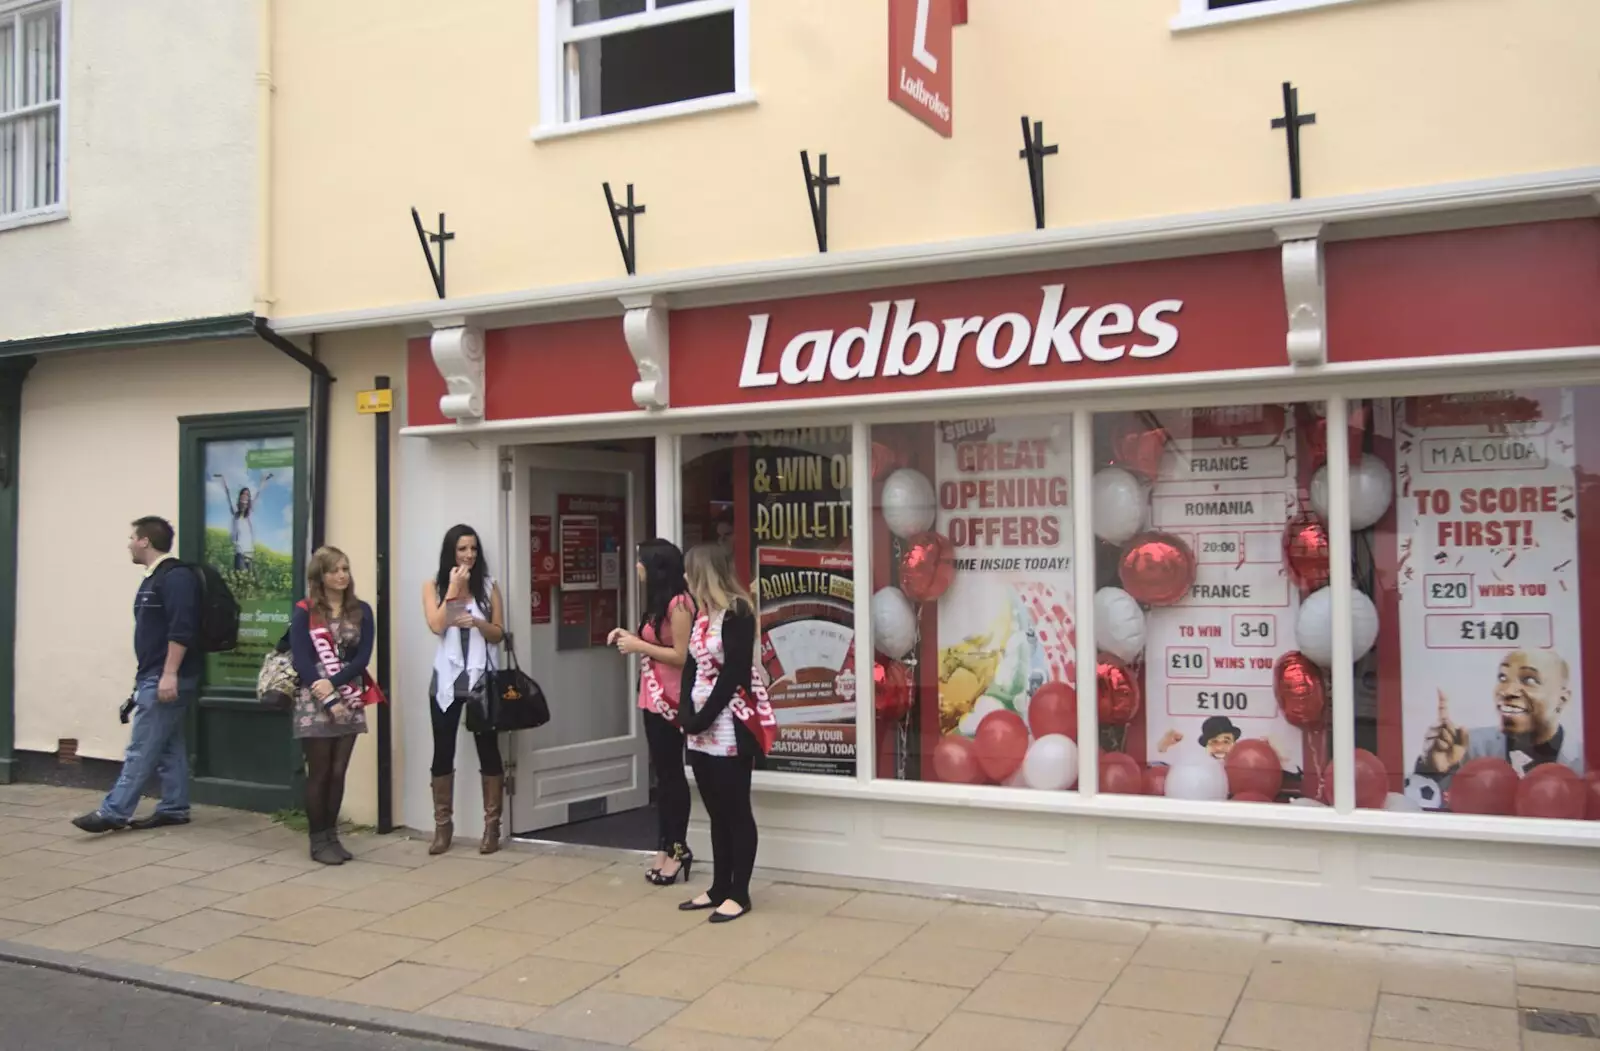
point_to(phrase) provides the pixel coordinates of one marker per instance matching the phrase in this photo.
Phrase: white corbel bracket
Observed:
(644, 327)
(1305, 294)
(458, 355)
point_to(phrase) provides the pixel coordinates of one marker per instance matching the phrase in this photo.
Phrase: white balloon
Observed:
(1371, 489)
(1396, 801)
(1203, 781)
(1051, 763)
(1306, 801)
(985, 705)
(1118, 504)
(1119, 623)
(894, 623)
(1016, 780)
(908, 503)
(1313, 628)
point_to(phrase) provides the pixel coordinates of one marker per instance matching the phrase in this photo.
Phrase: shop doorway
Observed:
(586, 508)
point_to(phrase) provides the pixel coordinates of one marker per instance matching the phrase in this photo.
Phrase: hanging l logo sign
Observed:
(920, 60)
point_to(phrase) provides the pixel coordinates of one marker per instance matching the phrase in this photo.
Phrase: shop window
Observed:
(31, 130)
(633, 56)
(1471, 693)
(780, 501)
(972, 605)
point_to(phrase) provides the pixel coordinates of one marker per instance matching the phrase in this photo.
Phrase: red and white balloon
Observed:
(1157, 568)
(927, 566)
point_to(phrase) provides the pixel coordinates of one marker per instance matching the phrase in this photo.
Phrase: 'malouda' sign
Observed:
(895, 342)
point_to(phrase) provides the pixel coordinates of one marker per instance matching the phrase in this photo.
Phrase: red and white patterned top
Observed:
(705, 648)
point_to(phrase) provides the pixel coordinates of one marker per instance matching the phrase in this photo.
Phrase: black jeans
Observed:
(725, 789)
(445, 726)
(672, 786)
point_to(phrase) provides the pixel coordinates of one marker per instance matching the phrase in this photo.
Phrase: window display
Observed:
(1480, 580)
(972, 610)
(781, 501)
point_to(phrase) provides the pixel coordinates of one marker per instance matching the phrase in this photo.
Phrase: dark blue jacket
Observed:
(306, 664)
(166, 609)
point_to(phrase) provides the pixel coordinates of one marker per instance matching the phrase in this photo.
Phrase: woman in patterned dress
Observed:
(327, 712)
(721, 668)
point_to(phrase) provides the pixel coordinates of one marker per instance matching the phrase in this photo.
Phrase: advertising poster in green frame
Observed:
(249, 539)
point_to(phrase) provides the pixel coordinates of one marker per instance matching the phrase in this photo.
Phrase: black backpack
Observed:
(219, 610)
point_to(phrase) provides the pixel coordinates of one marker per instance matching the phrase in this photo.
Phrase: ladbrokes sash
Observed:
(356, 693)
(655, 693)
(750, 707)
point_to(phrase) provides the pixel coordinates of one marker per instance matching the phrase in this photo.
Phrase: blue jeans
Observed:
(156, 748)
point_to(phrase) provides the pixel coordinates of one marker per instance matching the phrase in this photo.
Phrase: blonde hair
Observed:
(325, 560)
(708, 570)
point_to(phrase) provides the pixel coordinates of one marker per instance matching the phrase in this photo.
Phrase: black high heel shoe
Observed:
(684, 857)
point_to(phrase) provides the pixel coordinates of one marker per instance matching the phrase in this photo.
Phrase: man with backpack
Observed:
(168, 643)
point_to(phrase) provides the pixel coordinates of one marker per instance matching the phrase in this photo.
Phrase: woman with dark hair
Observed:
(662, 643)
(330, 635)
(729, 722)
(462, 604)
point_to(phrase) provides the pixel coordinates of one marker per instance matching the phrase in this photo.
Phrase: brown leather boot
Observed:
(444, 829)
(493, 800)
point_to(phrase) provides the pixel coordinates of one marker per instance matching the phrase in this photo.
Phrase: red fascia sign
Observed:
(1133, 319)
(920, 59)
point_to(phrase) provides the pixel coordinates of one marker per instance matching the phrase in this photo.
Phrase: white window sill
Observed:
(1249, 13)
(672, 110)
(34, 218)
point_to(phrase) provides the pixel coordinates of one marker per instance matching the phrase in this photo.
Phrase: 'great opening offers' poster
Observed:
(1487, 524)
(1228, 491)
(1006, 624)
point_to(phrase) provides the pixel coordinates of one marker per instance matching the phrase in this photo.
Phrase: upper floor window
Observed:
(613, 61)
(31, 128)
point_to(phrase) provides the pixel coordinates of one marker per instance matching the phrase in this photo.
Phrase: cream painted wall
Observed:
(99, 447)
(160, 174)
(356, 359)
(434, 105)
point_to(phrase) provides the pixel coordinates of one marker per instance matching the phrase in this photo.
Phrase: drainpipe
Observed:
(321, 384)
(263, 225)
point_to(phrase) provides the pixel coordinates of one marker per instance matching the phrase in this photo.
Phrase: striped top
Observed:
(705, 648)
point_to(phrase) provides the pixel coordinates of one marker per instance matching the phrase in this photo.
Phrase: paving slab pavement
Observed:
(562, 949)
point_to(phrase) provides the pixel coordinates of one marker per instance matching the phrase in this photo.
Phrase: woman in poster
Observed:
(243, 530)
(462, 606)
(662, 643)
(725, 723)
(331, 635)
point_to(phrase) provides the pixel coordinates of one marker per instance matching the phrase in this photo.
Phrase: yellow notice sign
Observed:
(370, 402)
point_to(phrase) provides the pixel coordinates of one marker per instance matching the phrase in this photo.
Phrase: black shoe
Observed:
(156, 820)
(726, 917)
(685, 860)
(694, 906)
(97, 822)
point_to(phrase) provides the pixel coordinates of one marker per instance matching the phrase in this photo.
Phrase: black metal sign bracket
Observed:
(1290, 123)
(424, 237)
(1034, 151)
(817, 192)
(626, 241)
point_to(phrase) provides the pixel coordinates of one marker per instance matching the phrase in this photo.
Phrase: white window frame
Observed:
(15, 11)
(558, 86)
(1197, 14)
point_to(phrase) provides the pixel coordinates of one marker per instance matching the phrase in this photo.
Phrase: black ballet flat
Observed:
(723, 917)
(694, 906)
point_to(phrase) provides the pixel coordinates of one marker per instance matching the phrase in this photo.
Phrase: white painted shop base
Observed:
(1511, 891)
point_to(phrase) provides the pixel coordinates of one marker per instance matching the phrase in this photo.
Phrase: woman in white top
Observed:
(721, 670)
(463, 608)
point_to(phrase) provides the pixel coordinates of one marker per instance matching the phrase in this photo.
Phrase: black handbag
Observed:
(507, 699)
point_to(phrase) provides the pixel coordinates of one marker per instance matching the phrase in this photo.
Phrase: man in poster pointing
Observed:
(1531, 690)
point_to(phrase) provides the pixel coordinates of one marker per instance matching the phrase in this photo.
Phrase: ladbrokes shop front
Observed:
(1228, 562)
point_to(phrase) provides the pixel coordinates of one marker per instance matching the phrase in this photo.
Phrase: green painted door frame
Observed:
(241, 755)
(12, 372)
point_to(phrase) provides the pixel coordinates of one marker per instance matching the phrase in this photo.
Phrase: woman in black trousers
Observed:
(722, 747)
(662, 643)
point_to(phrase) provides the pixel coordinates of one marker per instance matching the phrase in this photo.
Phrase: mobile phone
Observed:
(125, 711)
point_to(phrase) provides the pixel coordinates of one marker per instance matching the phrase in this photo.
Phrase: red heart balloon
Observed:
(1298, 685)
(1118, 690)
(884, 461)
(1157, 568)
(1138, 448)
(927, 567)
(891, 689)
(1305, 551)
